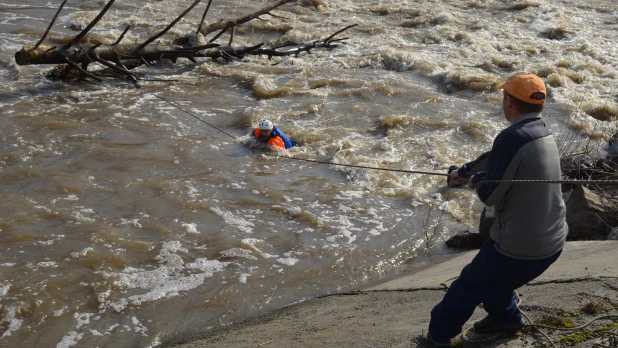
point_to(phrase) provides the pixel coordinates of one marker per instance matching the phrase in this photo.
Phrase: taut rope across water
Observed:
(530, 181)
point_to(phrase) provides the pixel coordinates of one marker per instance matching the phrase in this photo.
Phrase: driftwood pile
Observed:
(77, 56)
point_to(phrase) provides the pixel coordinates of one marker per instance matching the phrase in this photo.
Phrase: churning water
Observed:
(125, 221)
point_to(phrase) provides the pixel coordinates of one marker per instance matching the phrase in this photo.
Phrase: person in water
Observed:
(267, 133)
(530, 227)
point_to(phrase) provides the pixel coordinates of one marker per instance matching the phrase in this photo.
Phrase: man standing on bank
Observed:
(530, 227)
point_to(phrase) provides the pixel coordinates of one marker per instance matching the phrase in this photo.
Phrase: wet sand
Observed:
(580, 286)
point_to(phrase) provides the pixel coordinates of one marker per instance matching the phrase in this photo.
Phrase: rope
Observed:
(571, 182)
(295, 158)
(359, 166)
(189, 113)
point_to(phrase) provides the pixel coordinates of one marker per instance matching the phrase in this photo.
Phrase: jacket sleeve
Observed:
(503, 165)
(276, 142)
(287, 142)
(471, 168)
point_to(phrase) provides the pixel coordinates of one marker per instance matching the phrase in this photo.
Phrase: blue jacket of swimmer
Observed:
(276, 132)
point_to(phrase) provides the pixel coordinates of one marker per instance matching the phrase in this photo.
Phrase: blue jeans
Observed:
(491, 279)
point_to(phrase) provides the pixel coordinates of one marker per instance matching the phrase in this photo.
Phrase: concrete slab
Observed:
(578, 260)
(586, 272)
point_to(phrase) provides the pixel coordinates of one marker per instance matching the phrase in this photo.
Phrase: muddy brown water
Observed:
(126, 219)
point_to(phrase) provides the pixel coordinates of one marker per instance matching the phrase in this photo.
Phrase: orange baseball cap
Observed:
(523, 85)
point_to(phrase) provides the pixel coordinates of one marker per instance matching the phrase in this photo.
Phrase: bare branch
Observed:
(90, 26)
(196, 48)
(217, 36)
(199, 27)
(307, 47)
(339, 32)
(276, 16)
(232, 36)
(82, 71)
(122, 35)
(169, 26)
(230, 53)
(226, 24)
(50, 25)
(95, 56)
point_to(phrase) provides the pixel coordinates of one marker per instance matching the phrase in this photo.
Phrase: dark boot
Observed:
(428, 340)
(486, 325)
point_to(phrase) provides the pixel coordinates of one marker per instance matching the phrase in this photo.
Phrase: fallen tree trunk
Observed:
(89, 53)
(121, 58)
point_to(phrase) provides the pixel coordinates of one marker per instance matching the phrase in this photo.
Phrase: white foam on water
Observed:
(47, 264)
(192, 191)
(139, 327)
(67, 198)
(71, 340)
(253, 244)
(374, 232)
(190, 227)
(207, 266)
(237, 185)
(166, 281)
(82, 253)
(43, 208)
(10, 316)
(81, 218)
(350, 195)
(289, 261)
(243, 277)
(343, 233)
(82, 319)
(111, 328)
(95, 333)
(234, 221)
(132, 222)
(4, 289)
(238, 252)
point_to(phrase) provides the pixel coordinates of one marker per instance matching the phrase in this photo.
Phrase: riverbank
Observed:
(581, 285)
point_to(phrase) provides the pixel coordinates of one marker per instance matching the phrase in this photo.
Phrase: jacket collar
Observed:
(527, 117)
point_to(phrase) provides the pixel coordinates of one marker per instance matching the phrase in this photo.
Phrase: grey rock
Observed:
(465, 240)
(613, 234)
(589, 215)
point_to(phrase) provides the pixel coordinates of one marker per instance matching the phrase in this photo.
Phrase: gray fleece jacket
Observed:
(530, 218)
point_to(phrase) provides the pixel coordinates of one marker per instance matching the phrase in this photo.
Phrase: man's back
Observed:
(530, 218)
